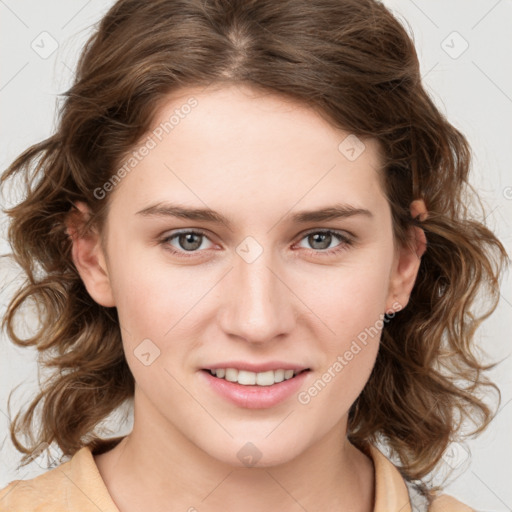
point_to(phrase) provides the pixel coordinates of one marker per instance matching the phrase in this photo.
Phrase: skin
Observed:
(257, 158)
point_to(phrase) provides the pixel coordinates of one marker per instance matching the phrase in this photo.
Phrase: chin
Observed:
(260, 453)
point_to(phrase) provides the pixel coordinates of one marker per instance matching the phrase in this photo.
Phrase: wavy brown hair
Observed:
(356, 65)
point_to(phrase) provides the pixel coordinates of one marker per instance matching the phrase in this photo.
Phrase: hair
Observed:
(352, 62)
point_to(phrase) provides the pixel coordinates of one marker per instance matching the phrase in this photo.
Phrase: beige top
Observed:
(77, 486)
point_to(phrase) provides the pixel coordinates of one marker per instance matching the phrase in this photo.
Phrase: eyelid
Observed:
(339, 232)
(346, 239)
(174, 233)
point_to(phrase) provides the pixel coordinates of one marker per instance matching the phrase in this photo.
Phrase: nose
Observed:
(259, 304)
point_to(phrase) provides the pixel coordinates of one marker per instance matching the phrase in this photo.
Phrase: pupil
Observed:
(188, 239)
(321, 237)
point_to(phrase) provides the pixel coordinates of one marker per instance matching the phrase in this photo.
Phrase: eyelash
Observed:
(345, 242)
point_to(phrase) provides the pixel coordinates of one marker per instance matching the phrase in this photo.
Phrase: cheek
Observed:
(347, 355)
(151, 297)
(154, 297)
(346, 299)
(329, 396)
(350, 304)
(155, 309)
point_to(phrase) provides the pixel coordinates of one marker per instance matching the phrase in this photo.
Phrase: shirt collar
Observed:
(391, 494)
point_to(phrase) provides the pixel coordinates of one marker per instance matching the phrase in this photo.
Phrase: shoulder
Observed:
(393, 492)
(447, 503)
(73, 485)
(36, 494)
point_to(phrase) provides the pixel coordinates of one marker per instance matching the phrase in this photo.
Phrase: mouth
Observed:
(262, 389)
(248, 378)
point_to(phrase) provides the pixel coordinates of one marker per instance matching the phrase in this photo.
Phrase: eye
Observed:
(186, 242)
(192, 241)
(322, 240)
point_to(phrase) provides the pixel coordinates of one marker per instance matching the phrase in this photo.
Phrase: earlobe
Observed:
(408, 260)
(89, 258)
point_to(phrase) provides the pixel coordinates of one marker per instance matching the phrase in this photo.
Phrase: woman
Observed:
(251, 222)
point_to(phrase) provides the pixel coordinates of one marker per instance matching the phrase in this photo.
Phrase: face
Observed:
(263, 285)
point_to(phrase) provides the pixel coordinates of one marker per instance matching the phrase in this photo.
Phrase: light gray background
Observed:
(472, 87)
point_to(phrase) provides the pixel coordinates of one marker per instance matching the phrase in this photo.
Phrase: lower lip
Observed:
(255, 397)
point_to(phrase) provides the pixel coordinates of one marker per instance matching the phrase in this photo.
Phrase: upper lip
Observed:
(257, 368)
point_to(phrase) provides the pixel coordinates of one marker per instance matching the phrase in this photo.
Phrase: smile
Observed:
(254, 390)
(248, 378)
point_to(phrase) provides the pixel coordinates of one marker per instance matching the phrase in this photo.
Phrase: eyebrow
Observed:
(338, 211)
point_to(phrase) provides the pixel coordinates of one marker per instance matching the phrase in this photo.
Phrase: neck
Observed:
(157, 468)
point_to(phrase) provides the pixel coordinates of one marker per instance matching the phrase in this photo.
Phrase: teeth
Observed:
(231, 374)
(247, 378)
(279, 376)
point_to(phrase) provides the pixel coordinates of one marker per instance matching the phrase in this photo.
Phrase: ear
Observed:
(88, 257)
(407, 261)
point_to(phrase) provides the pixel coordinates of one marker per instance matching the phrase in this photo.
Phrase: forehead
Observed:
(241, 113)
(240, 146)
